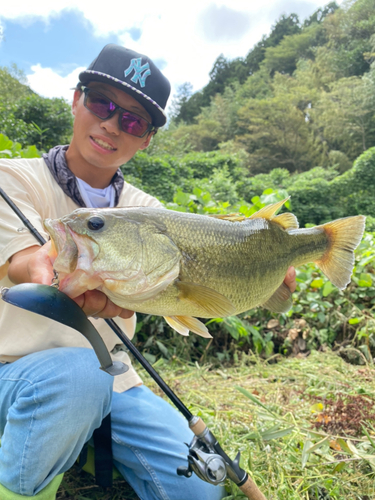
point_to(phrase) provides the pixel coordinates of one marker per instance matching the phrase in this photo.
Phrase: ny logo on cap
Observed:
(136, 66)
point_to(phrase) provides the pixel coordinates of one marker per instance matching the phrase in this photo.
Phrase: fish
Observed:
(185, 266)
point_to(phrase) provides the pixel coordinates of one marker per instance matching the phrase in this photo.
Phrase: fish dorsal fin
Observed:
(269, 211)
(286, 220)
(281, 301)
(182, 325)
(213, 302)
(229, 217)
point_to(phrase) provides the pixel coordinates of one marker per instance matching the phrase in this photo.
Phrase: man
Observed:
(52, 394)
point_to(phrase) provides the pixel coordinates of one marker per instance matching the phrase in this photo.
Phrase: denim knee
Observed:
(73, 375)
(64, 381)
(51, 402)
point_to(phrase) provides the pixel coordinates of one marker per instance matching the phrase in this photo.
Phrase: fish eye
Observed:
(95, 223)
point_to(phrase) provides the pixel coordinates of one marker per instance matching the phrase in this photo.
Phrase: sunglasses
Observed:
(104, 108)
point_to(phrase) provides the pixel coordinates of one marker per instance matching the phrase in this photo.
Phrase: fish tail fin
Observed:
(338, 261)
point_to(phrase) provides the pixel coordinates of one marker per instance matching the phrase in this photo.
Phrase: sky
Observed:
(53, 41)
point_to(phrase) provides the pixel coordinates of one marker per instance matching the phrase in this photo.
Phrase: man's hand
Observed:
(290, 279)
(33, 265)
(96, 303)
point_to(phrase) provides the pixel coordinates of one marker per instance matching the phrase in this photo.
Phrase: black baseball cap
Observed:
(133, 73)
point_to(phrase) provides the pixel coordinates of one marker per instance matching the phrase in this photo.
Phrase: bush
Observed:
(10, 149)
(163, 176)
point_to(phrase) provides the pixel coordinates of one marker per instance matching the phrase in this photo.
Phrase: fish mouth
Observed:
(72, 255)
(64, 251)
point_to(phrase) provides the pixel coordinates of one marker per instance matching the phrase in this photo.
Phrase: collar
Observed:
(57, 165)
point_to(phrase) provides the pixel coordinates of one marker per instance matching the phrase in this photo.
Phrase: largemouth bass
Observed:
(185, 266)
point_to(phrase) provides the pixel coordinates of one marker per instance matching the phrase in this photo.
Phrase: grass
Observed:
(305, 426)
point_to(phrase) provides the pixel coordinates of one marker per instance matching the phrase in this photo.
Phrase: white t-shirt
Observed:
(29, 183)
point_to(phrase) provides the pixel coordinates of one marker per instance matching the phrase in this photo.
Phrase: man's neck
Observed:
(95, 177)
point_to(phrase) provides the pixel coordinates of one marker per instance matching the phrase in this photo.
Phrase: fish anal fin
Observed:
(213, 302)
(177, 325)
(281, 301)
(186, 323)
(229, 217)
(269, 211)
(286, 221)
(344, 236)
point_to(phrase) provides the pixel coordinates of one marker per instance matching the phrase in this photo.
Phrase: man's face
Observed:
(102, 143)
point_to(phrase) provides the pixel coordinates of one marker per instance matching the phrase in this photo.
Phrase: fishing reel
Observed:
(207, 465)
(210, 462)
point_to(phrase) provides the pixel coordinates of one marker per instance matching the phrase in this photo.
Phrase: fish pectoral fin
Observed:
(182, 325)
(281, 301)
(213, 302)
(286, 221)
(269, 211)
(229, 217)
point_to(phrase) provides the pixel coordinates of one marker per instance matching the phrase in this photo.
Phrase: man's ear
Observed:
(76, 97)
(147, 140)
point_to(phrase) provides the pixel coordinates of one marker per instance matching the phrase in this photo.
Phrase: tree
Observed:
(284, 57)
(37, 120)
(344, 116)
(13, 84)
(276, 131)
(286, 25)
(184, 92)
(320, 14)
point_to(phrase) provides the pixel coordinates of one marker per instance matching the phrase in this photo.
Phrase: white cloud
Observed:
(170, 31)
(47, 83)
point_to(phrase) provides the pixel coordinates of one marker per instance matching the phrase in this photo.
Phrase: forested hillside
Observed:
(304, 96)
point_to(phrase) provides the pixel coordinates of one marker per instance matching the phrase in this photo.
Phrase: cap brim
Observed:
(155, 111)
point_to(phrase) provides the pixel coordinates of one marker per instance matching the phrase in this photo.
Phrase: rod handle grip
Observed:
(198, 427)
(251, 490)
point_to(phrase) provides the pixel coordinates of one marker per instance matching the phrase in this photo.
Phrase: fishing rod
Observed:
(205, 457)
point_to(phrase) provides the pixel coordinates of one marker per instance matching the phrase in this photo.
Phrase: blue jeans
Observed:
(50, 404)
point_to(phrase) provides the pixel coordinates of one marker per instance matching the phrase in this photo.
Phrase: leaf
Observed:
(306, 452)
(163, 349)
(365, 280)
(339, 467)
(354, 321)
(276, 434)
(343, 445)
(317, 283)
(150, 357)
(253, 398)
(318, 445)
(327, 288)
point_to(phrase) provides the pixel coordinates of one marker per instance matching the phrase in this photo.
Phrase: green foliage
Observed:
(351, 193)
(28, 118)
(308, 98)
(284, 57)
(13, 84)
(37, 120)
(162, 176)
(275, 131)
(225, 73)
(10, 149)
(349, 106)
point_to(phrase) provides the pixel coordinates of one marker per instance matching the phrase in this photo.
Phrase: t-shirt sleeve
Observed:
(24, 190)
